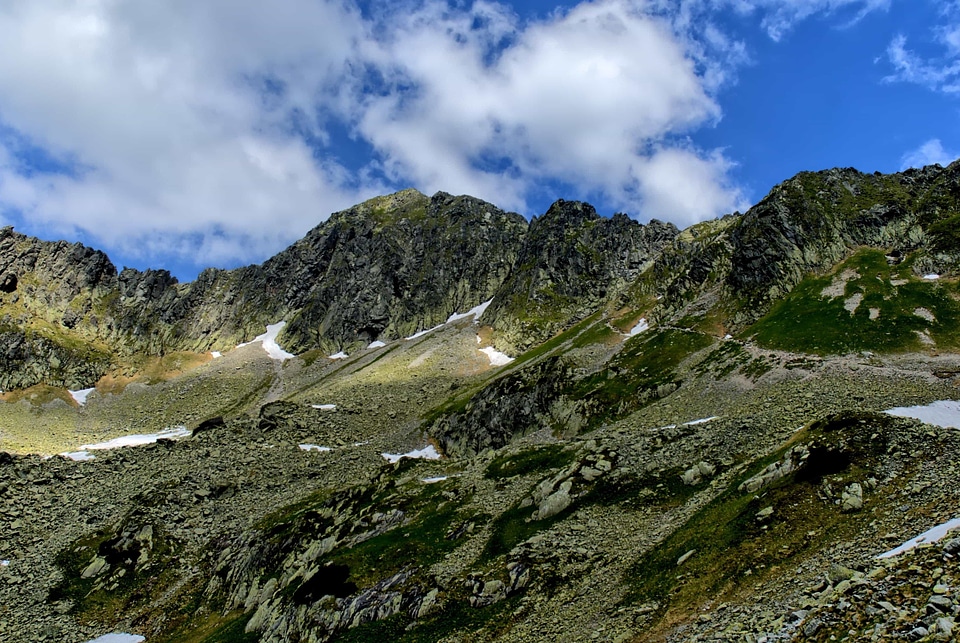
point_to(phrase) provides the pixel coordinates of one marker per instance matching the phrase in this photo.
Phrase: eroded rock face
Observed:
(572, 260)
(808, 223)
(509, 408)
(381, 270)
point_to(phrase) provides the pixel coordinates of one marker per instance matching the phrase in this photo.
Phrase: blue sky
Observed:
(184, 135)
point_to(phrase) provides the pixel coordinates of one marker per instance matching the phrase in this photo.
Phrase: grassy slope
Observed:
(809, 321)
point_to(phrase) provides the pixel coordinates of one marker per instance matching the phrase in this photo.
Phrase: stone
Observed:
(555, 502)
(852, 498)
(95, 568)
(945, 625)
(941, 603)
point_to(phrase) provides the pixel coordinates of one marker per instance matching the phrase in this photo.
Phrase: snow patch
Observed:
(314, 447)
(641, 326)
(426, 453)
(929, 536)
(423, 332)
(118, 637)
(496, 357)
(432, 480)
(476, 312)
(324, 407)
(173, 433)
(931, 277)
(4, 563)
(269, 342)
(376, 344)
(701, 421)
(79, 456)
(340, 355)
(81, 396)
(216, 354)
(945, 413)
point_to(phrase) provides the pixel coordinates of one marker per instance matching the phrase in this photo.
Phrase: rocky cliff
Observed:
(571, 261)
(398, 264)
(740, 265)
(381, 270)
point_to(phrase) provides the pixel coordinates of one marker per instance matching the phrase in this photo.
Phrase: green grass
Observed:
(458, 403)
(455, 616)
(945, 235)
(806, 321)
(529, 461)
(108, 596)
(732, 547)
(665, 490)
(643, 371)
(420, 542)
(725, 359)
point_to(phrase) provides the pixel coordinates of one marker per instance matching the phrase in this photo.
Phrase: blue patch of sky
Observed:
(33, 159)
(819, 99)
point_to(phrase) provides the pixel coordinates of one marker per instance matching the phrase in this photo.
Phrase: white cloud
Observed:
(782, 15)
(930, 153)
(582, 97)
(161, 104)
(206, 129)
(939, 73)
(777, 17)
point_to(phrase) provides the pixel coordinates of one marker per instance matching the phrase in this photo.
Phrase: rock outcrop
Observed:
(572, 260)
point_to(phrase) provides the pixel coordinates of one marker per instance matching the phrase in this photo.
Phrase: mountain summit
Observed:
(432, 420)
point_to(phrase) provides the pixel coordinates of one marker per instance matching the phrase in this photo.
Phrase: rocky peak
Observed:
(572, 260)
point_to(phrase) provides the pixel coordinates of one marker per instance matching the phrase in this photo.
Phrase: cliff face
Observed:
(808, 224)
(395, 265)
(380, 270)
(571, 261)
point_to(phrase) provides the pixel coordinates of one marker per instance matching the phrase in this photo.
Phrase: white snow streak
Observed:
(701, 421)
(426, 453)
(314, 447)
(945, 413)
(324, 407)
(423, 332)
(496, 357)
(340, 355)
(216, 354)
(269, 342)
(929, 536)
(119, 637)
(172, 433)
(79, 456)
(81, 395)
(931, 277)
(376, 344)
(432, 480)
(476, 312)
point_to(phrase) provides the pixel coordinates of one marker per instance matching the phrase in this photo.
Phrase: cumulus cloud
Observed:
(581, 98)
(171, 122)
(214, 130)
(930, 153)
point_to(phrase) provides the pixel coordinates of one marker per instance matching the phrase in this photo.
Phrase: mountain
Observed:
(577, 428)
